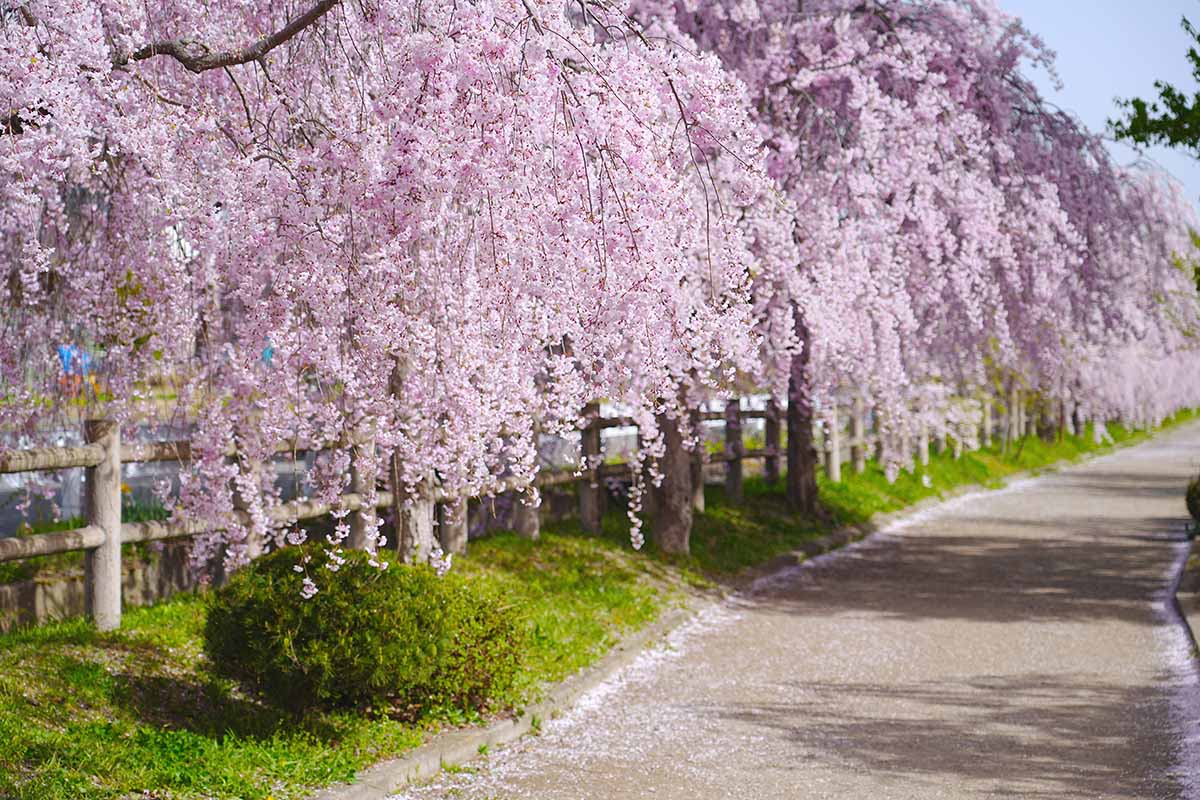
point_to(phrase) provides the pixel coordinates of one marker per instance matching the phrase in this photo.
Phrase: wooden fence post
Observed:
(734, 450)
(104, 512)
(833, 445)
(771, 432)
(858, 436)
(361, 478)
(591, 490)
(452, 526)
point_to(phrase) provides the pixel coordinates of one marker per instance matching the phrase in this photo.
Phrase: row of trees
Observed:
(452, 226)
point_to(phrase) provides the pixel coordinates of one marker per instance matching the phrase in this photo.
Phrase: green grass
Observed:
(89, 715)
(858, 497)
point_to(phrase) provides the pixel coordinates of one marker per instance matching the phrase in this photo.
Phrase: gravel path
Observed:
(1011, 644)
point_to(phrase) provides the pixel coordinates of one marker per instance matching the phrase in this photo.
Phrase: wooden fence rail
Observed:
(103, 453)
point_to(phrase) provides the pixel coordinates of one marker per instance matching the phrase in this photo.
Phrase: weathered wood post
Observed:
(452, 526)
(834, 445)
(771, 426)
(697, 460)
(858, 435)
(734, 450)
(103, 564)
(591, 489)
(362, 478)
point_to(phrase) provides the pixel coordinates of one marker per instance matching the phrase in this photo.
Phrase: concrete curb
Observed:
(460, 746)
(1185, 593)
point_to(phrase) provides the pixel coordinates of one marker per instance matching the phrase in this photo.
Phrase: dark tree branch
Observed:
(197, 57)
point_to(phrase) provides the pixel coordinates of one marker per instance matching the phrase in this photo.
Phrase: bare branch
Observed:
(197, 57)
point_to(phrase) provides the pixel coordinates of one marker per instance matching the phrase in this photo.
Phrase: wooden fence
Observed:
(103, 453)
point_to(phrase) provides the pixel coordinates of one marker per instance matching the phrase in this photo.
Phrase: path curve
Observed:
(1009, 644)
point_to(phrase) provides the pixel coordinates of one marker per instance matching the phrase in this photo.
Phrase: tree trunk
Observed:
(858, 436)
(734, 448)
(1013, 423)
(985, 440)
(362, 478)
(673, 498)
(833, 444)
(414, 521)
(591, 487)
(697, 461)
(801, 457)
(452, 527)
(771, 463)
(527, 518)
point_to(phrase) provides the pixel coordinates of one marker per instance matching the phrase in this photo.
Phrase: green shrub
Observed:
(1193, 499)
(400, 639)
(485, 654)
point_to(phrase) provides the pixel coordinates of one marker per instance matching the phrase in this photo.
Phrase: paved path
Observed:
(1012, 644)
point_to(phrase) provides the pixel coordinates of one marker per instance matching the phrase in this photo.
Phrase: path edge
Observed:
(459, 746)
(1185, 595)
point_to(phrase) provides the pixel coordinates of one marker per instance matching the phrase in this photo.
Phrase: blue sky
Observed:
(1115, 48)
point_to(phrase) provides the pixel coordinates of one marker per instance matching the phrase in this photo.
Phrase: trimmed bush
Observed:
(1193, 499)
(485, 652)
(400, 639)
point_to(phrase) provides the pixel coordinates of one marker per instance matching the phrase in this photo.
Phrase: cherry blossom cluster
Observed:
(424, 233)
(956, 233)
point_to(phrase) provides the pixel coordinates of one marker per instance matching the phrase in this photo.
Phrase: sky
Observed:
(1115, 48)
